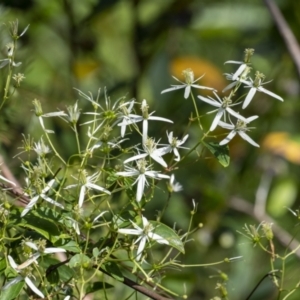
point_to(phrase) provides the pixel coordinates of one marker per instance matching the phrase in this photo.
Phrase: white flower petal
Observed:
(217, 119)
(210, 101)
(97, 187)
(173, 88)
(141, 247)
(33, 287)
(140, 187)
(239, 71)
(129, 231)
(262, 89)
(159, 239)
(249, 97)
(12, 282)
(226, 125)
(247, 138)
(54, 250)
(187, 91)
(228, 138)
(136, 157)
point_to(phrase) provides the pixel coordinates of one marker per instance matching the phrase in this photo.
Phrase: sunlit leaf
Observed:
(220, 152)
(80, 260)
(12, 292)
(169, 234)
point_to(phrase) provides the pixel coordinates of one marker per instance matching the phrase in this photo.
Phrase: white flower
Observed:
(174, 144)
(144, 234)
(42, 250)
(240, 128)
(174, 186)
(75, 225)
(188, 84)
(87, 183)
(25, 277)
(142, 172)
(41, 148)
(126, 111)
(240, 70)
(255, 86)
(243, 64)
(223, 107)
(150, 148)
(39, 113)
(42, 195)
(131, 118)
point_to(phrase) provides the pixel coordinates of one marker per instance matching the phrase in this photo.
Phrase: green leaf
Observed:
(96, 286)
(283, 194)
(113, 270)
(52, 265)
(2, 265)
(71, 247)
(13, 291)
(44, 227)
(220, 152)
(80, 260)
(169, 234)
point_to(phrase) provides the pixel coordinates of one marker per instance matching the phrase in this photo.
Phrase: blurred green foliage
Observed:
(132, 47)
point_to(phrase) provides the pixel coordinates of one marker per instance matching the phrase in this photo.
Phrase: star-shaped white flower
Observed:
(132, 118)
(19, 269)
(42, 195)
(255, 86)
(144, 234)
(88, 182)
(174, 145)
(150, 148)
(224, 105)
(188, 84)
(240, 128)
(141, 172)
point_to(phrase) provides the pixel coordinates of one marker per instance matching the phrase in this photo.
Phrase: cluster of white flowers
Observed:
(225, 106)
(23, 269)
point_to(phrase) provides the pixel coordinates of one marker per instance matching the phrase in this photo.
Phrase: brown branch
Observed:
(286, 33)
(139, 288)
(283, 236)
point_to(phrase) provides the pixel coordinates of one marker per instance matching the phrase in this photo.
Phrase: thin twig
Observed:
(283, 236)
(286, 33)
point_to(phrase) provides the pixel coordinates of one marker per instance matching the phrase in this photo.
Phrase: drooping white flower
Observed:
(174, 186)
(255, 86)
(188, 84)
(86, 183)
(144, 234)
(41, 149)
(132, 118)
(174, 145)
(243, 64)
(240, 128)
(39, 113)
(141, 172)
(19, 269)
(42, 195)
(126, 109)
